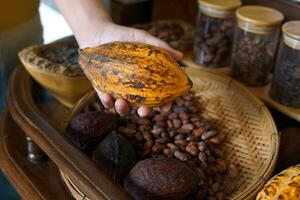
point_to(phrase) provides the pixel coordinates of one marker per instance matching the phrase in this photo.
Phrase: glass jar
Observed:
(255, 42)
(214, 32)
(285, 86)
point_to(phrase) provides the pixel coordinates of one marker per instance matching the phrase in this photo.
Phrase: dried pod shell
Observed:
(139, 73)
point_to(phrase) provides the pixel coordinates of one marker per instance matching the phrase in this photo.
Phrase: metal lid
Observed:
(221, 4)
(259, 15)
(219, 8)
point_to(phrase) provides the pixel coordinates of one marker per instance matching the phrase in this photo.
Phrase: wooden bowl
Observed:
(252, 140)
(66, 89)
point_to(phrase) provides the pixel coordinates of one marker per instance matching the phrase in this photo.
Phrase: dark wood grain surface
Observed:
(40, 181)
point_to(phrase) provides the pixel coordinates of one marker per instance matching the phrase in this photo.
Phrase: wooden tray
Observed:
(32, 182)
(39, 115)
(22, 104)
(261, 92)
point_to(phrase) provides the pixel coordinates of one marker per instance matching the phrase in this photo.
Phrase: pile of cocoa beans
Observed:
(183, 134)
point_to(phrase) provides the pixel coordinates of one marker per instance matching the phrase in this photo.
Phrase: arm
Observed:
(92, 26)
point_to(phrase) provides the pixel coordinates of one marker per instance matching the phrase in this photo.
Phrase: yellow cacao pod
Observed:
(284, 186)
(139, 73)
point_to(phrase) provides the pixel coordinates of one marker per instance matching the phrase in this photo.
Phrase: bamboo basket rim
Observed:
(249, 192)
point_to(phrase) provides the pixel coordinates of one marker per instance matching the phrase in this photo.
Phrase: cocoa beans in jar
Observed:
(214, 32)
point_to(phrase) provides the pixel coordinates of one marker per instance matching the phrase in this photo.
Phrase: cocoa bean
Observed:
(179, 137)
(162, 140)
(176, 123)
(172, 134)
(143, 121)
(201, 146)
(216, 187)
(192, 149)
(170, 124)
(194, 119)
(183, 131)
(192, 109)
(199, 124)
(189, 127)
(209, 134)
(184, 116)
(159, 118)
(180, 142)
(191, 138)
(147, 136)
(178, 109)
(147, 148)
(181, 155)
(161, 124)
(173, 116)
(222, 166)
(189, 103)
(233, 171)
(157, 148)
(144, 128)
(202, 157)
(185, 121)
(168, 152)
(221, 195)
(198, 132)
(164, 135)
(217, 139)
(172, 146)
(157, 131)
(179, 101)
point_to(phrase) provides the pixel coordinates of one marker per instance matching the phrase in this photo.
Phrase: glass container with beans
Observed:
(255, 42)
(286, 80)
(214, 32)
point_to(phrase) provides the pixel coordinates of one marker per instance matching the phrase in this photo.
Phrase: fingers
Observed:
(144, 111)
(122, 107)
(106, 99)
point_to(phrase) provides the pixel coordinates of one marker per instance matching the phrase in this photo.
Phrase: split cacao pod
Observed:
(139, 73)
(284, 186)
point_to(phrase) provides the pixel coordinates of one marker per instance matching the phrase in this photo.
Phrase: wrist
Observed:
(91, 35)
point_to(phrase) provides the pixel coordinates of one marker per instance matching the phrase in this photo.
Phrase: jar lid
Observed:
(292, 29)
(221, 4)
(291, 34)
(219, 8)
(259, 15)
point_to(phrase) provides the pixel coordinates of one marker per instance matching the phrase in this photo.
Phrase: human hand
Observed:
(112, 32)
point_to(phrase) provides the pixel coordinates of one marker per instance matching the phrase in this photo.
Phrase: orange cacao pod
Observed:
(139, 73)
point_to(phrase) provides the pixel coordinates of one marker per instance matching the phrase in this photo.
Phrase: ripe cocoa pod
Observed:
(157, 178)
(139, 73)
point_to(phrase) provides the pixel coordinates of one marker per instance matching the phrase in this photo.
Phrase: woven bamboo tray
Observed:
(261, 92)
(252, 139)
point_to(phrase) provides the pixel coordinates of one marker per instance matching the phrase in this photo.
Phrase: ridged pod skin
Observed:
(284, 186)
(139, 73)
